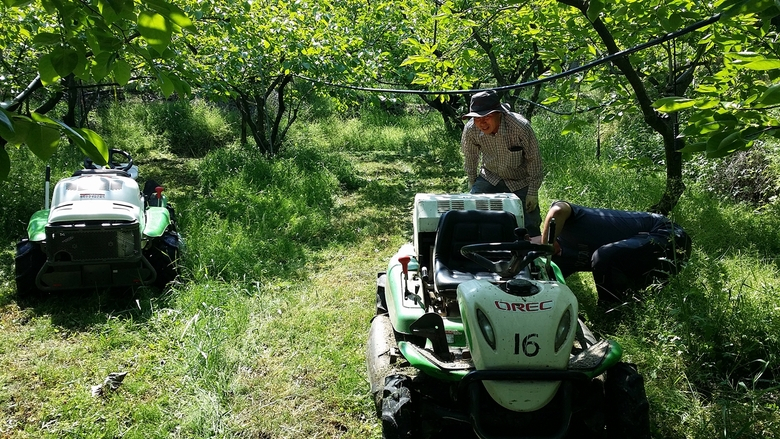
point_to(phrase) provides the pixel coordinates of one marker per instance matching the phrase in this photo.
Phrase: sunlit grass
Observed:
(264, 336)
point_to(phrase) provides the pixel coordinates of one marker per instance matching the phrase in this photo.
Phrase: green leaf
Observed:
(707, 103)
(744, 56)
(94, 146)
(573, 126)
(673, 103)
(6, 125)
(155, 29)
(105, 41)
(726, 118)
(180, 19)
(107, 11)
(48, 73)
(732, 8)
(102, 64)
(714, 141)
(771, 96)
(64, 60)
(124, 9)
(72, 134)
(594, 9)
(711, 127)
(172, 13)
(21, 128)
(46, 39)
(694, 147)
(764, 64)
(81, 70)
(732, 142)
(42, 140)
(166, 85)
(181, 87)
(5, 164)
(416, 59)
(676, 21)
(122, 72)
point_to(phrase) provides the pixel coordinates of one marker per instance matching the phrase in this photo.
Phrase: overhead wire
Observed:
(590, 65)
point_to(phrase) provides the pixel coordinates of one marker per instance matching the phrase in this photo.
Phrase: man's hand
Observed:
(531, 202)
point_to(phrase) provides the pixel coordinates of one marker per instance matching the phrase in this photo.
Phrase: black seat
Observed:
(462, 227)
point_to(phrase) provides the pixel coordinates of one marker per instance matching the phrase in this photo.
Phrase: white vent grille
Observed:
(428, 208)
(445, 205)
(492, 204)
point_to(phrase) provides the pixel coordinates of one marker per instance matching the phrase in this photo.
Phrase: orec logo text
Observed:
(524, 307)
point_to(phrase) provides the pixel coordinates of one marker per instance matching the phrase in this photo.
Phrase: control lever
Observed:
(404, 260)
(551, 241)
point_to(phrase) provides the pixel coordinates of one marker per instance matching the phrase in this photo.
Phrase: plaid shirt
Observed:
(512, 154)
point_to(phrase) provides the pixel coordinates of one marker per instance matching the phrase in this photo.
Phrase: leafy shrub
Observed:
(190, 128)
(751, 176)
(631, 143)
(312, 159)
(573, 172)
(124, 126)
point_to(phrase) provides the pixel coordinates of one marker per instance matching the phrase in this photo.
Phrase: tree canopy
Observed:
(49, 46)
(712, 90)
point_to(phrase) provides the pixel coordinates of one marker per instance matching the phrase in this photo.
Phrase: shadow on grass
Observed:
(79, 310)
(726, 229)
(174, 174)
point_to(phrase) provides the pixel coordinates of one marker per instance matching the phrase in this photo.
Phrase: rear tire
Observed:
(627, 412)
(164, 257)
(28, 262)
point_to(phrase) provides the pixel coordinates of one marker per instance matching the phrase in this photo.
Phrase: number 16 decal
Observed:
(529, 346)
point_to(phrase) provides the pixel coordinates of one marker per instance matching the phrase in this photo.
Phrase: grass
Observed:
(265, 335)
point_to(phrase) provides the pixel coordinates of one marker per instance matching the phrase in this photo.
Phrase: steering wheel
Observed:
(119, 165)
(523, 253)
(112, 164)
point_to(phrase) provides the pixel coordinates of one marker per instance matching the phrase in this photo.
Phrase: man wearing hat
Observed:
(506, 146)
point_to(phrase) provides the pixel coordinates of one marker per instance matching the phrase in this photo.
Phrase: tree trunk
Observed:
(452, 120)
(73, 100)
(674, 182)
(663, 125)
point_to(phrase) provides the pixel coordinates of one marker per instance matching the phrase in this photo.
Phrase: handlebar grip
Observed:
(551, 231)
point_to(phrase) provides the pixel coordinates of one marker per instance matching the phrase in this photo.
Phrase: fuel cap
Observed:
(521, 287)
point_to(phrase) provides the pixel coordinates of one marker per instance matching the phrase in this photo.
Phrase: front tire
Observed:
(627, 412)
(400, 420)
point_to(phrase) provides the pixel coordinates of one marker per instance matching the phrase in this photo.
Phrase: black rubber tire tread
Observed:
(399, 418)
(28, 262)
(164, 257)
(627, 412)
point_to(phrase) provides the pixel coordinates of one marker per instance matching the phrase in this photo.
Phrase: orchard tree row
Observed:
(704, 75)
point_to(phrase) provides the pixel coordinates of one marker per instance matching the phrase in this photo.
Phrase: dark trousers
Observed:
(636, 263)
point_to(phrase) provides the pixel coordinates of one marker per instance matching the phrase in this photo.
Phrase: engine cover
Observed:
(96, 197)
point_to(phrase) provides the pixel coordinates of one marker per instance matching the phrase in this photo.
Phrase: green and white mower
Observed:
(99, 231)
(475, 331)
